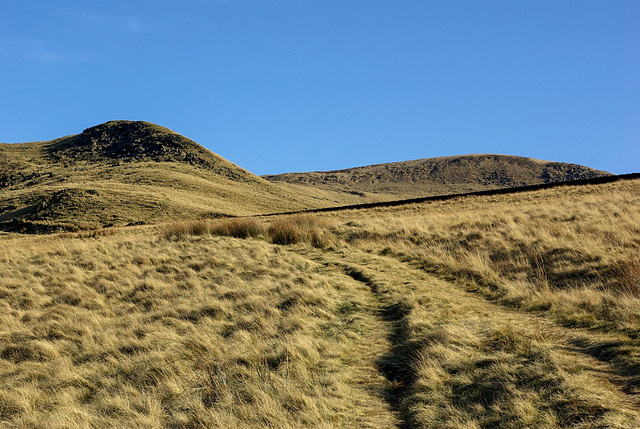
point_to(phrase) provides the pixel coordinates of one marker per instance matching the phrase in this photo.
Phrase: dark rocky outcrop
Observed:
(126, 141)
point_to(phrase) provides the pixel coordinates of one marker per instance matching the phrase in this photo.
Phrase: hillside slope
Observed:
(518, 310)
(443, 175)
(125, 172)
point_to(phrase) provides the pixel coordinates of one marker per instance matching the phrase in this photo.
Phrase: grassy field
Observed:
(518, 310)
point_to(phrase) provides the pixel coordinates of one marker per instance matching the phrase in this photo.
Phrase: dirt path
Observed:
(368, 335)
(387, 334)
(388, 279)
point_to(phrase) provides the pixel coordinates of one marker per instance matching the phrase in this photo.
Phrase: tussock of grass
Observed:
(182, 229)
(302, 228)
(282, 230)
(238, 228)
(627, 278)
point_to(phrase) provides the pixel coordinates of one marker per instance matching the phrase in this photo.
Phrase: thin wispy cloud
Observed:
(38, 52)
(84, 40)
(47, 56)
(135, 25)
(127, 23)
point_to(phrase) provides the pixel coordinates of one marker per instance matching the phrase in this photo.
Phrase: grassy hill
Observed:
(501, 311)
(440, 176)
(125, 172)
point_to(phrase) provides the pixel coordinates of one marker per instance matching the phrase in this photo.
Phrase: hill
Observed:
(518, 310)
(443, 175)
(123, 172)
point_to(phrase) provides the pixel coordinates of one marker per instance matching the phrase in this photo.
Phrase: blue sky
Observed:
(299, 85)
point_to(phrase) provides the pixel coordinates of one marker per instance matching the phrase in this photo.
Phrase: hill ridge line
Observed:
(500, 191)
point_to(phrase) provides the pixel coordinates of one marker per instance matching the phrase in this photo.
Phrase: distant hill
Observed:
(443, 175)
(123, 172)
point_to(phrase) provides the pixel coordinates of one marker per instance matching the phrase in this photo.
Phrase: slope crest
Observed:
(126, 141)
(443, 175)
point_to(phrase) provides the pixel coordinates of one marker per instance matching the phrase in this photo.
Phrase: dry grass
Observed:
(238, 228)
(283, 230)
(302, 228)
(182, 229)
(459, 361)
(504, 311)
(133, 330)
(571, 252)
(627, 278)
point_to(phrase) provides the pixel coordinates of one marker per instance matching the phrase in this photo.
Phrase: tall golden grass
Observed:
(505, 311)
(283, 230)
(571, 252)
(134, 330)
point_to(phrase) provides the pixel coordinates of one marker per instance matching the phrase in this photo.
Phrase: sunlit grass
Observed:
(201, 331)
(505, 311)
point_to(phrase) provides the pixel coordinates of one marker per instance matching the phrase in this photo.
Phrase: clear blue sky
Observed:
(298, 85)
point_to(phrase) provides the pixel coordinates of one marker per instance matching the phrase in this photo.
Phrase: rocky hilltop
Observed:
(128, 141)
(442, 175)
